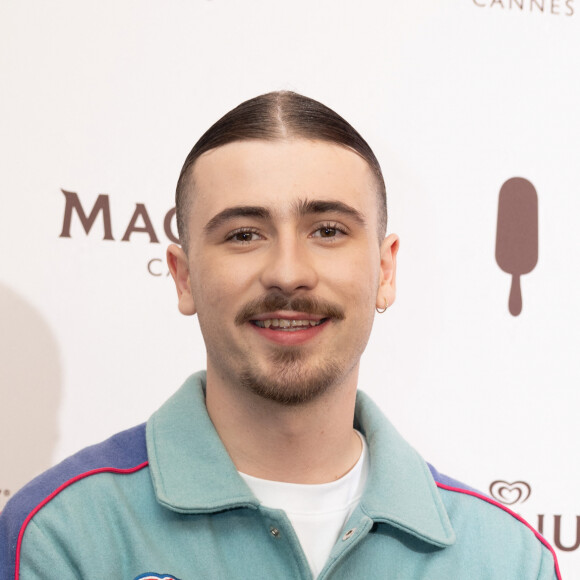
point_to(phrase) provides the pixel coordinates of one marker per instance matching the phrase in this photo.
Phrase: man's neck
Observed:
(307, 443)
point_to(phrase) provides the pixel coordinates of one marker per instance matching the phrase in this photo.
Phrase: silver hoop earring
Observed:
(381, 310)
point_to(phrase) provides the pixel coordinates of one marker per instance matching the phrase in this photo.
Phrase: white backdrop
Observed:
(455, 97)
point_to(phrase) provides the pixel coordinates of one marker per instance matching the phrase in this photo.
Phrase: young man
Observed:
(270, 465)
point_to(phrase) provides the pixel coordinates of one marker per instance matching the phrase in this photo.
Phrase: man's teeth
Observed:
(286, 324)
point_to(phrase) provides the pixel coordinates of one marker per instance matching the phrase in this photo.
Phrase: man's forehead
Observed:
(279, 173)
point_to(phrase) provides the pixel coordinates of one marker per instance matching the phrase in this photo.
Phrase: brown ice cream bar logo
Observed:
(516, 244)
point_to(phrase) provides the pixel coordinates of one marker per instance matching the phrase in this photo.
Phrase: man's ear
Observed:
(178, 266)
(387, 283)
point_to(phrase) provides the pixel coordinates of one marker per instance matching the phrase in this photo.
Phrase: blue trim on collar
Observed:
(126, 450)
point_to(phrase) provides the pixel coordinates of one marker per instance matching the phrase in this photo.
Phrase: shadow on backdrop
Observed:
(30, 393)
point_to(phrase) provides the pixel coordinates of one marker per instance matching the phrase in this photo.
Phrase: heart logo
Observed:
(510, 493)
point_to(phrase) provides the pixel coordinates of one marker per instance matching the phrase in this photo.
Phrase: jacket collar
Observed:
(400, 490)
(193, 473)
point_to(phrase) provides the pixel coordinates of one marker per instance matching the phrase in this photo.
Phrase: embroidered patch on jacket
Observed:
(155, 576)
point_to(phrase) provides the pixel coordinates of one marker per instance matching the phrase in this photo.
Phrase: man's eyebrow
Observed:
(231, 213)
(322, 206)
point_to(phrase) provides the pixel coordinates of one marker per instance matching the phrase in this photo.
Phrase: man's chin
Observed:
(289, 383)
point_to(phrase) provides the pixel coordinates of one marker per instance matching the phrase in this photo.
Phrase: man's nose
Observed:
(289, 266)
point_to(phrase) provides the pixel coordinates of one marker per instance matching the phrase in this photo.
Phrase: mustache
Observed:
(276, 301)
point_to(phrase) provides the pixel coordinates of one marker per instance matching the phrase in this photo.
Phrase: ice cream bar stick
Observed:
(515, 301)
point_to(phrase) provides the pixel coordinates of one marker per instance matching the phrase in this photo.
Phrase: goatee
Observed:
(292, 382)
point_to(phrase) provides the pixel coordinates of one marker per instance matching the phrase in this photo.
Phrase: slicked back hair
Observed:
(277, 116)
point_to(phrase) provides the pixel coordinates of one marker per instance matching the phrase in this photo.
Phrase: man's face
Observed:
(284, 268)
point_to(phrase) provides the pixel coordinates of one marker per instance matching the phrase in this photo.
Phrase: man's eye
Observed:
(243, 236)
(328, 231)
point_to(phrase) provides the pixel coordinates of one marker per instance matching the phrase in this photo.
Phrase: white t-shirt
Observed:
(318, 512)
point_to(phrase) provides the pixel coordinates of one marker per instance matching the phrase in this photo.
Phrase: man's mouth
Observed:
(287, 325)
(284, 313)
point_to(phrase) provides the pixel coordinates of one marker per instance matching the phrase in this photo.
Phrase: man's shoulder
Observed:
(479, 520)
(123, 453)
(466, 502)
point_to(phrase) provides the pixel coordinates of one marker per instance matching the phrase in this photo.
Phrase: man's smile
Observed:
(281, 312)
(289, 328)
(285, 324)
(288, 321)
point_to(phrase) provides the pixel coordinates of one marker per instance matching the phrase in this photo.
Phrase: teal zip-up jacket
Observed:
(165, 501)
